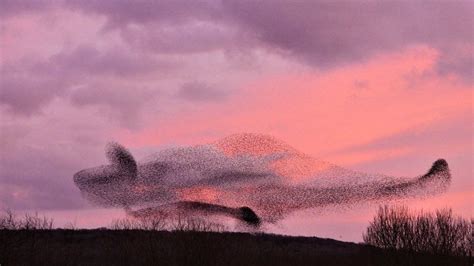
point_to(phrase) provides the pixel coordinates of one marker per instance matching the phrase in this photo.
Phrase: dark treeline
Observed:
(10, 221)
(30, 240)
(436, 233)
(144, 247)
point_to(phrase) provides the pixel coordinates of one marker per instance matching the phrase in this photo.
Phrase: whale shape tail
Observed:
(244, 214)
(439, 169)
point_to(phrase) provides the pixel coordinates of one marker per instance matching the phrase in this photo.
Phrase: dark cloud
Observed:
(329, 33)
(39, 154)
(192, 37)
(122, 13)
(39, 193)
(15, 7)
(319, 33)
(458, 60)
(123, 103)
(29, 86)
(36, 177)
(26, 95)
(85, 60)
(199, 91)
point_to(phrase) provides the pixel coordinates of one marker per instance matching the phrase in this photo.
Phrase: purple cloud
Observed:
(192, 37)
(37, 178)
(320, 33)
(325, 33)
(198, 91)
(123, 13)
(12, 7)
(87, 60)
(26, 95)
(123, 103)
(28, 86)
(139, 53)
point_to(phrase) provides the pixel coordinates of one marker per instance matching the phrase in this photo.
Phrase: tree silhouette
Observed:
(438, 233)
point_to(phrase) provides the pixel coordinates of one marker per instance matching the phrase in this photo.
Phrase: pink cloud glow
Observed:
(332, 110)
(366, 89)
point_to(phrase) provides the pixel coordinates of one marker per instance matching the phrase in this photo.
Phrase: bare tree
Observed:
(158, 221)
(9, 221)
(161, 221)
(190, 223)
(438, 233)
(124, 224)
(35, 222)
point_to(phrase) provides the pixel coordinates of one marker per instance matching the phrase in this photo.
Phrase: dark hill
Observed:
(136, 247)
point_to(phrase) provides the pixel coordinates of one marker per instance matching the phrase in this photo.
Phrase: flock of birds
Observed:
(251, 177)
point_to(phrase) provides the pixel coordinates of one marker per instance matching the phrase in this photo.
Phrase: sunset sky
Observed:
(379, 87)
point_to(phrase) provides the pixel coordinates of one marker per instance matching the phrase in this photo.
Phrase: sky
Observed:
(379, 87)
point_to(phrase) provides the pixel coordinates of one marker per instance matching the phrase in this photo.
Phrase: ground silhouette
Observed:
(149, 247)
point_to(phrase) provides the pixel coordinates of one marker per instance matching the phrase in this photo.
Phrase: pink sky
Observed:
(365, 88)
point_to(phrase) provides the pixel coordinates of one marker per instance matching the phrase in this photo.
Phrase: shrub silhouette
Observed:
(9, 221)
(439, 233)
(162, 222)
